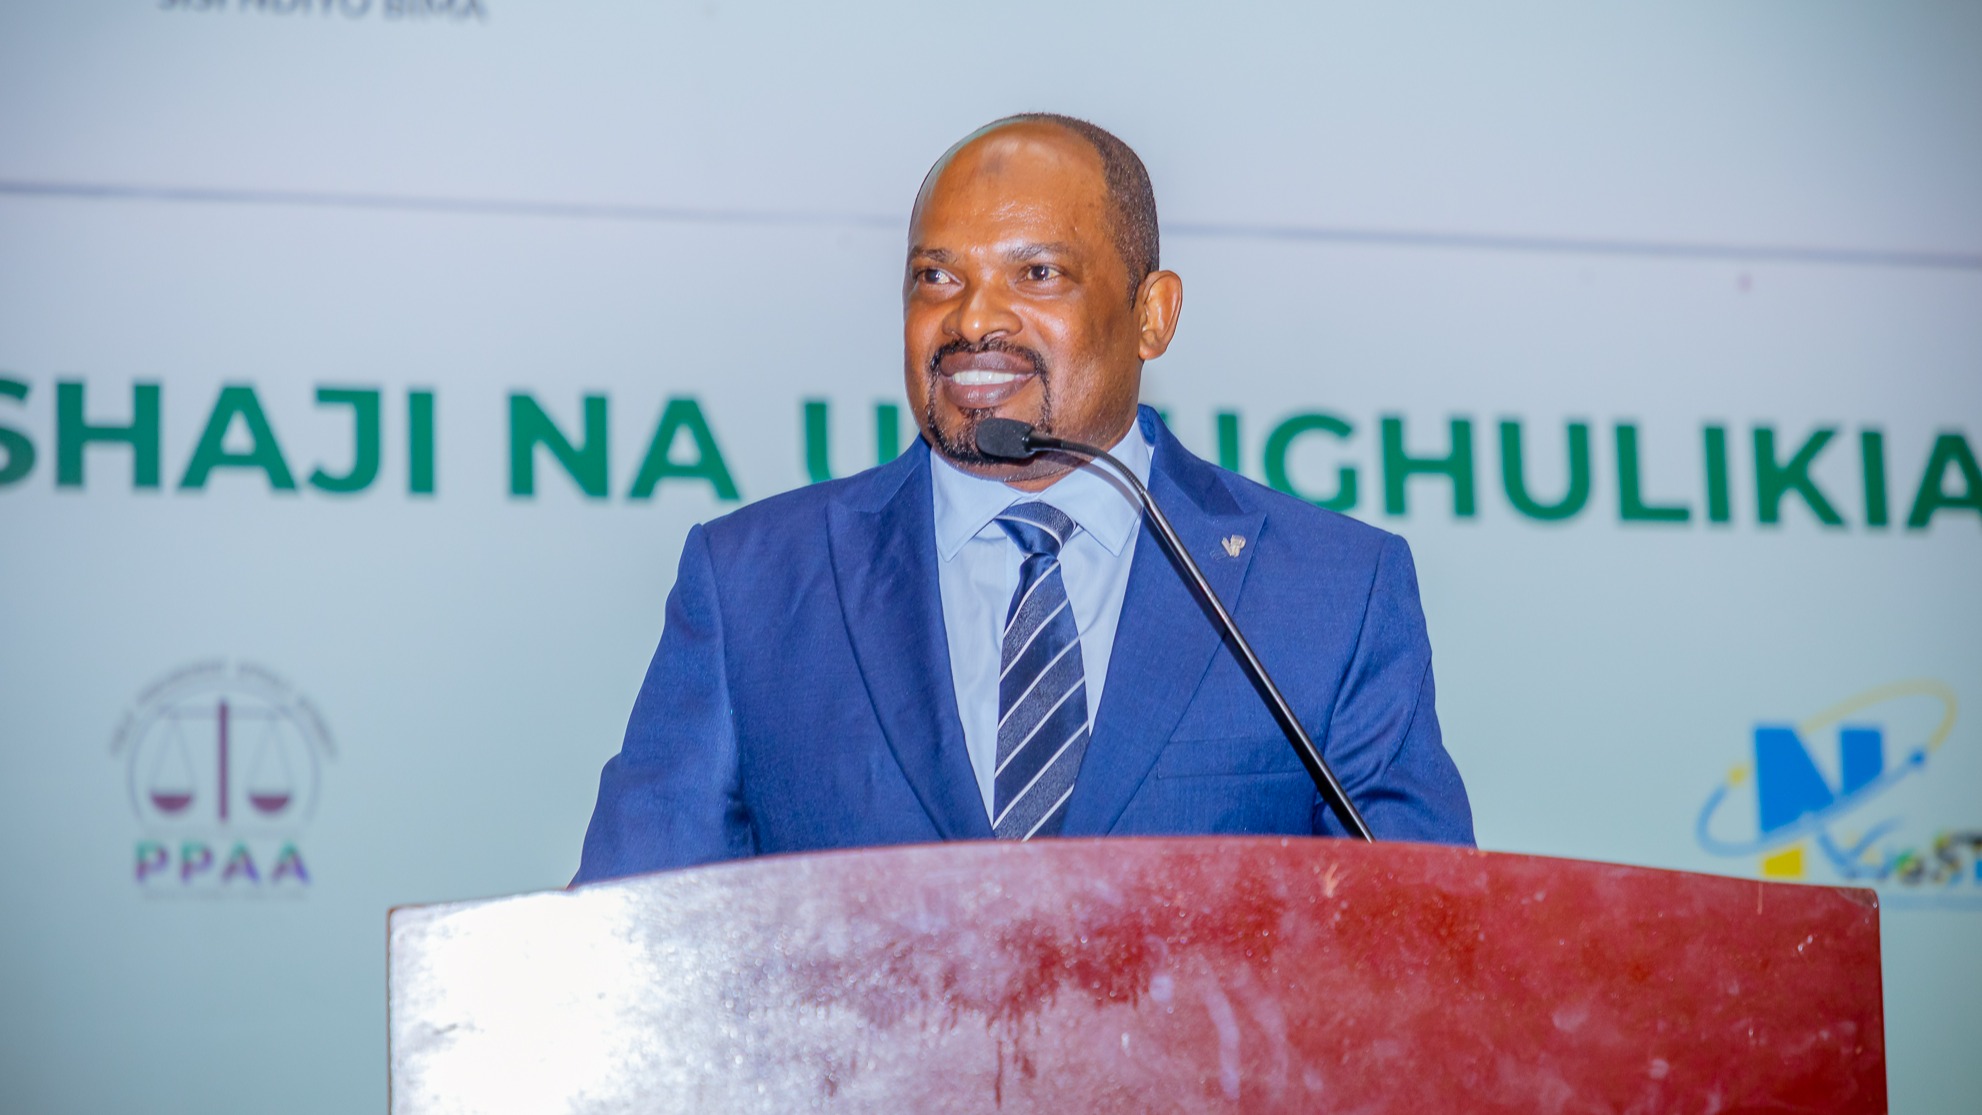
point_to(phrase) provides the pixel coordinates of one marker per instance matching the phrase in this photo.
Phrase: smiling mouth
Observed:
(980, 388)
(985, 377)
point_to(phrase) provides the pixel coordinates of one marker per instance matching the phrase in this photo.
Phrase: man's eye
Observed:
(1040, 272)
(931, 275)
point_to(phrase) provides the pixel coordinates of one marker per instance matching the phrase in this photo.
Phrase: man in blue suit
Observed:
(956, 646)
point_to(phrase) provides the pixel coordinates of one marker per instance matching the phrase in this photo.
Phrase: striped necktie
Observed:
(1042, 687)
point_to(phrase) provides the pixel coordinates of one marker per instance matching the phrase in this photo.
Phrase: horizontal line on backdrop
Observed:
(1559, 245)
(414, 204)
(1569, 245)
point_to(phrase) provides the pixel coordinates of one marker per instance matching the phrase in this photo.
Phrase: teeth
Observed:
(984, 378)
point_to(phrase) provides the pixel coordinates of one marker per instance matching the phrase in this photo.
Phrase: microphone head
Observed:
(1008, 438)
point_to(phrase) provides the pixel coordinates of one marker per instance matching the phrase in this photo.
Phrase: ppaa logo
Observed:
(1850, 811)
(222, 765)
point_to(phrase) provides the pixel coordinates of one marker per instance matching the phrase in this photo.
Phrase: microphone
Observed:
(1013, 440)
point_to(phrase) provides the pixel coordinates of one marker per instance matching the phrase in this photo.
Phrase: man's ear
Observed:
(1159, 302)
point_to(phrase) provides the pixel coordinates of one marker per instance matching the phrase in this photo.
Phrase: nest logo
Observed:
(1834, 796)
(222, 765)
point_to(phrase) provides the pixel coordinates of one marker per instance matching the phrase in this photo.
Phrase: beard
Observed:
(960, 444)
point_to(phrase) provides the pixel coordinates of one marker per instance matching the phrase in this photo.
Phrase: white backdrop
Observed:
(1740, 217)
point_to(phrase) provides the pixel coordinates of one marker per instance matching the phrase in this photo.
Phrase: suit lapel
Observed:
(884, 562)
(1165, 640)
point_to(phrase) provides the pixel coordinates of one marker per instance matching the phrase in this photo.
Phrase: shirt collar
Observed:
(1090, 495)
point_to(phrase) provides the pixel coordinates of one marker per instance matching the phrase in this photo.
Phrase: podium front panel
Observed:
(1141, 976)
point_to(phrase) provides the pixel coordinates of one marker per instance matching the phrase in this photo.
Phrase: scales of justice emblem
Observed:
(218, 747)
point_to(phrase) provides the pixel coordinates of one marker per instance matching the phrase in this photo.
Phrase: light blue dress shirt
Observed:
(979, 571)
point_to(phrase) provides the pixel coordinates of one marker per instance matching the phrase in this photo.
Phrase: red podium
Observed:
(1140, 976)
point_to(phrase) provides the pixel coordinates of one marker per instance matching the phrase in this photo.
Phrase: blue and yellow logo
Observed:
(1846, 822)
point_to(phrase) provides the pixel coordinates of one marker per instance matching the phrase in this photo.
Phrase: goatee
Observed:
(960, 445)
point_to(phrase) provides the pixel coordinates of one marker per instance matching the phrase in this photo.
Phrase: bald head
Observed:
(1128, 198)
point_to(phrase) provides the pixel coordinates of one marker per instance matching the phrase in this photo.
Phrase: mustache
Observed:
(961, 347)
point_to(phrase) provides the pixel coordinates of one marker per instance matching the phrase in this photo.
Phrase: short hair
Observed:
(1130, 195)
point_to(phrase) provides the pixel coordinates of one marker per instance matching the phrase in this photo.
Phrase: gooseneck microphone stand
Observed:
(1013, 440)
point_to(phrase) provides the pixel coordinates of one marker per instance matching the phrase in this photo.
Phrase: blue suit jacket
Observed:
(801, 697)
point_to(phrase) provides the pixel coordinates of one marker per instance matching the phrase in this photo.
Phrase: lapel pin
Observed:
(1233, 545)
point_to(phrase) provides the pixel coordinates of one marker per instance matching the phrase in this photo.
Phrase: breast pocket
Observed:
(1235, 757)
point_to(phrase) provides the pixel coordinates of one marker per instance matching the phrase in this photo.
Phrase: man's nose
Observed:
(983, 313)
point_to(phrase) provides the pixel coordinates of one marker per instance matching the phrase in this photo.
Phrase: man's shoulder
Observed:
(1293, 526)
(798, 519)
(1303, 520)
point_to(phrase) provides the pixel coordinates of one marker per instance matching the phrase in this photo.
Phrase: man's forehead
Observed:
(1015, 249)
(1014, 233)
(1022, 174)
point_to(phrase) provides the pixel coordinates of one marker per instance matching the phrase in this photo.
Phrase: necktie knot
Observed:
(1038, 528)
